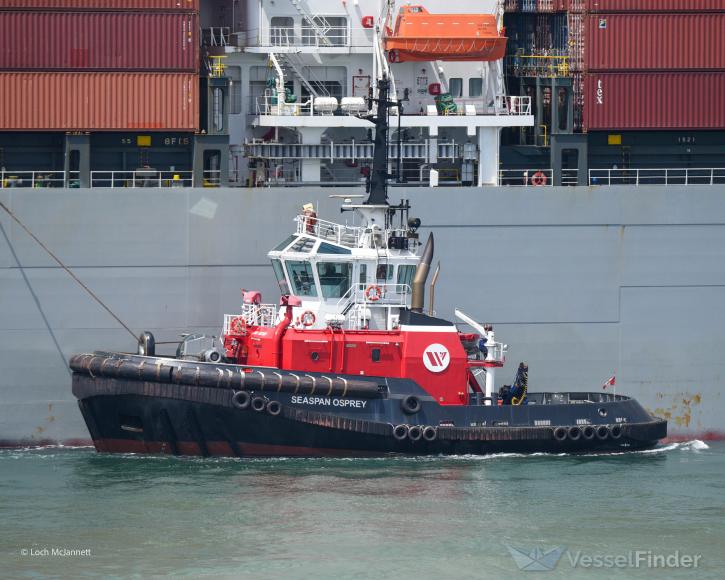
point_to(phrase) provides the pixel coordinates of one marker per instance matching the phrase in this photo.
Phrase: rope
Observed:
(68, 270)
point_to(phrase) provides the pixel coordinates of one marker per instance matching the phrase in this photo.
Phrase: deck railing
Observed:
(658, 176)
(340, 234)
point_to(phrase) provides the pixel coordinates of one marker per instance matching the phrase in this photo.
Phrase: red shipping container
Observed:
(175, 5)
(655, 5)
(655, 41)
(680, 100)
(98, 40)
(99, 102)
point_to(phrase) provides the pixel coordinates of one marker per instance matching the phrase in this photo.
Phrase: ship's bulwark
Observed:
(583, 283)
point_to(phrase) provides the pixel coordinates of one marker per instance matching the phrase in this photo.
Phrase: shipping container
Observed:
(98, 102)
(655, 5)
(678, 100)
(99, 40)
(655, 41)
(172, 5)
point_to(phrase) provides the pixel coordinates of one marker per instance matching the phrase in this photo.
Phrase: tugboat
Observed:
(347, 363)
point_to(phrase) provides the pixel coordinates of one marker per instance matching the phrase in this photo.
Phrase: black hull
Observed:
(141, 416)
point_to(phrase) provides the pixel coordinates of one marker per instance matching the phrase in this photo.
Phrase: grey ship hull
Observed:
(583, 283)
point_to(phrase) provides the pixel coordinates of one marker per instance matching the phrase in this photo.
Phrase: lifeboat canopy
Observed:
(419, 35)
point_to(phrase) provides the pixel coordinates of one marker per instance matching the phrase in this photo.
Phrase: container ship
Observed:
(569, 150)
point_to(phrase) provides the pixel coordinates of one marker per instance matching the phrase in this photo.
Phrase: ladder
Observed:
(319, 24)
(292, 63)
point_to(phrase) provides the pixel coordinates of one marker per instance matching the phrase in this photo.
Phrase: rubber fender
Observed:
(241, 400)
(574, 433)
(415, 433)
(259, 404)
(410, 404)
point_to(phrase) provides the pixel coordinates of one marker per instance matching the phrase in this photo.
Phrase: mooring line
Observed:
(66, 268)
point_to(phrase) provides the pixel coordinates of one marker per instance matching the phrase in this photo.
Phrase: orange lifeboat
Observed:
(421, 36)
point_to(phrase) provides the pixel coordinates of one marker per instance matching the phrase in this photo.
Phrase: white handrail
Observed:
(658, 176)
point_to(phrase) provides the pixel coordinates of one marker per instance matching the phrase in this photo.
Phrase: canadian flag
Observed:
(611, 381)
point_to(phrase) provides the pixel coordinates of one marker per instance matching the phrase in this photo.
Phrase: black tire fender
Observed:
(259, 404)
(615, 431)
(574, 433)
(430, 433)
(410, 405)
(415, 433)
(241, 400)
(400, 432)
(560, 433)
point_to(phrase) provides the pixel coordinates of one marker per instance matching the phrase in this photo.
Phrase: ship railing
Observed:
(570, 177)
(496, 352)
(584, 398)
(217, 36)
(356, 304)
(340, 234)
(269, 104)
(525, 177)
(141, 178)
(658, 176)
(539, 65)
(333, 37)
(38, 179)
(512, 105)
(253, 315)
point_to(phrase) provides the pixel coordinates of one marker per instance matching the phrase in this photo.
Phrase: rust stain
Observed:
(681, 409)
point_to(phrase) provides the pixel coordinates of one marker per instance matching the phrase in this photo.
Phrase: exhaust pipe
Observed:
(417, 300)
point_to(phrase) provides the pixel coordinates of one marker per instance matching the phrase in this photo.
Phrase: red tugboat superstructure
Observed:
(346, 363)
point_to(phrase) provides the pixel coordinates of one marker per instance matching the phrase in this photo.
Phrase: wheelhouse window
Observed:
(281, 280)
(302, 279)
(282, 245)
(455, 87)
(405, 275)
(334, 278)
(363, 277)
(384, 272)
(475, 87)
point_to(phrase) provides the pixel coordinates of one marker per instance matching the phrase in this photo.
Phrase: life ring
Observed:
(307, 318)
(241, 399)
(393, 56)
(538, 178)
(373, 293)
(239, 325)
(410, 404)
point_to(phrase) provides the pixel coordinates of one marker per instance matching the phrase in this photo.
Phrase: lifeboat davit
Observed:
(421, 36)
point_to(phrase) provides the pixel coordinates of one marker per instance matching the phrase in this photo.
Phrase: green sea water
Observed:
(72, 513)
